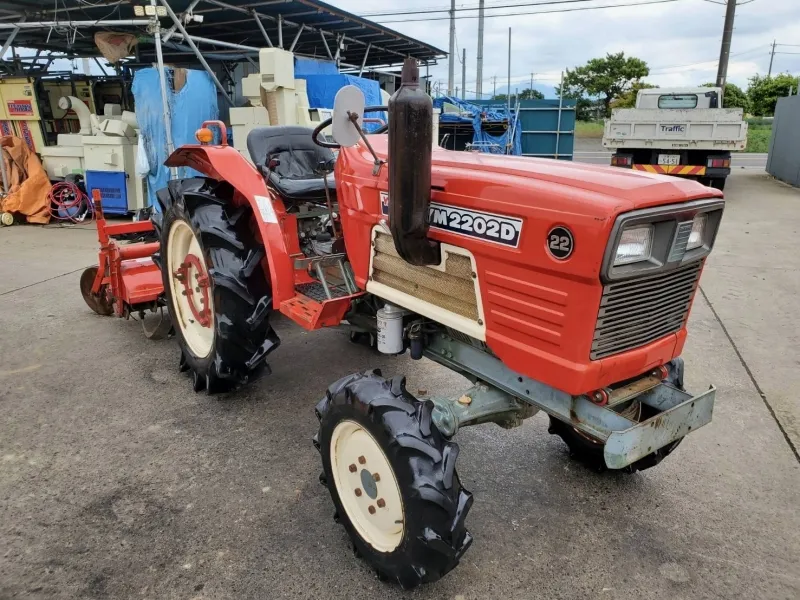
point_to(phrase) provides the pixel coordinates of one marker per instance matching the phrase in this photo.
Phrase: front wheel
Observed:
(392, 479)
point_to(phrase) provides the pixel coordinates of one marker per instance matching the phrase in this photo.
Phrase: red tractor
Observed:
(551, 286)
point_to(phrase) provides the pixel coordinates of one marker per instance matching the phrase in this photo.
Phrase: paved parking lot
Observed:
(116, 481)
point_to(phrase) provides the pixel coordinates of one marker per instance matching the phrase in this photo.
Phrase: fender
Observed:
(223, 163)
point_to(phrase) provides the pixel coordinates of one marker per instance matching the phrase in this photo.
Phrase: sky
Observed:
(679, 39)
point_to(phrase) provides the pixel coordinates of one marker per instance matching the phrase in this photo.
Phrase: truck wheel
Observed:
(217, 292)
(589, 451)
(718, 183)
(392, 478)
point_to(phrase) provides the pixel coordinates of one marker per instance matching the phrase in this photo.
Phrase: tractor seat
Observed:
(290, 161)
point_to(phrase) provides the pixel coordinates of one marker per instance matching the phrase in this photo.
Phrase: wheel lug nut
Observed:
(358, 492)
(362, 460)
(381, 502)
(353, 468)
(376, 476)
(371, 509)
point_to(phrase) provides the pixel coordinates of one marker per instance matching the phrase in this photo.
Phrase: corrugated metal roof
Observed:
(302, 24)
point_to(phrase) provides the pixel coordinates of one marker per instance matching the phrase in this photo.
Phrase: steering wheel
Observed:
(326, 123)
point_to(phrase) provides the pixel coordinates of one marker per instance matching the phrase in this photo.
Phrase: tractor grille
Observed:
(636, 312)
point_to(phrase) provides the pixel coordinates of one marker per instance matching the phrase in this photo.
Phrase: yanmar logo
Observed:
(673, 129)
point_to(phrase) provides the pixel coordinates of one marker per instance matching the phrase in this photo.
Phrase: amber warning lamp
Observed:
(204, 135)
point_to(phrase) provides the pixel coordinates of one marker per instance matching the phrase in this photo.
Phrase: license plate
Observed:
(669, 159)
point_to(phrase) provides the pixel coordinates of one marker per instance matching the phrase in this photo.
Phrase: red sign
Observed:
(27, 135)
(5, 128)
(20, 108)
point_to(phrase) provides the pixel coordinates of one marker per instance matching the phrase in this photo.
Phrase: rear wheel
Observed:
(217, 291)
(392, 479)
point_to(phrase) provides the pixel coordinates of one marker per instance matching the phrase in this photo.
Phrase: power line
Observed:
(540, 12)
(495, 7)
(658, 70)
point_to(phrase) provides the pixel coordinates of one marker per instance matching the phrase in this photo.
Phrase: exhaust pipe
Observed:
(410, 147)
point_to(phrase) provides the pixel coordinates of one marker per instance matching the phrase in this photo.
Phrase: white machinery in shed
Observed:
(104, 152)
(274, 95)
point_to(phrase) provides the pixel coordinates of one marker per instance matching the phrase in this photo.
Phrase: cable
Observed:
(541, 12)
(658, 70)
(495, 7)
(67, 202)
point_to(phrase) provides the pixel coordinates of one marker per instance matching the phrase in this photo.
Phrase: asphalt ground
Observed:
(117, 481)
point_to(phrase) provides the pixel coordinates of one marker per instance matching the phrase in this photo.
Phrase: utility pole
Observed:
(464, 74)
(508, 94)
(479, 75)
(531, 88)
(772, 57)
(451, 66)
(725, 50)
(494, 90)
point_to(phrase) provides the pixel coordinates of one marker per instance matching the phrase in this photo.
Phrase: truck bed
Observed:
(692, 129)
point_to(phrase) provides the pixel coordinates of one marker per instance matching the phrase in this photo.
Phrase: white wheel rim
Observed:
(376, 509)
(181, 243)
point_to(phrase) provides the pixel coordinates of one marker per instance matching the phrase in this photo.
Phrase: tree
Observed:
(734, 96)
(531, 94)
(628, 99)
(526, 94)
(604, 78)
(765, 91)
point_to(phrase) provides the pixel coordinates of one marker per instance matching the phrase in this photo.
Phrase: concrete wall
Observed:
(784, 148)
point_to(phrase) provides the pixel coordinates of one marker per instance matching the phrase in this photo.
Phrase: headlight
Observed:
(698, 232)
(635, 245)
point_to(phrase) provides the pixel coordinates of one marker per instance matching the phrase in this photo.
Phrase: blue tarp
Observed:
(194, 103)
(312, 66)
(477, 114)
(322, 92)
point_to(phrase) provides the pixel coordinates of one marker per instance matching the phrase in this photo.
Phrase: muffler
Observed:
(410, 147)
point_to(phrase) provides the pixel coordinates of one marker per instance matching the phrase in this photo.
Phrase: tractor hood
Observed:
(607, 190)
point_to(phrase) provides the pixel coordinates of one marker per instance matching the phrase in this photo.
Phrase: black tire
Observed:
(435, 505)
(589, 451)
(239, 286)
(719, 183)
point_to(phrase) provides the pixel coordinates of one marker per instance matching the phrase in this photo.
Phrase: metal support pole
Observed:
(479, 74)
(560, 109)
(338, 49)
(508, 91)
(464, 74)
(162, 77)
(5, 175)
(202, 40)
(10, 39)
(97, 60)
(280, 31)
(324, 41)
(264, 31)
(188, 10)
(296, 37)
(364, 60)
(73, 24)
(725, 50)
(192, 45)
(452, 54)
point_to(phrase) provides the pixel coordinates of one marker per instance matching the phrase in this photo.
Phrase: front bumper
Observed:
(681, 413)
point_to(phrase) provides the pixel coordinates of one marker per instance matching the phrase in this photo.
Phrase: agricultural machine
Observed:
(551, 286)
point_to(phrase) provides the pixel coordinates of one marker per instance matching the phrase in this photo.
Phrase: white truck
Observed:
(677, 131)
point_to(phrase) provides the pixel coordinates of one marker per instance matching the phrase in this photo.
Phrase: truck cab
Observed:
(682, 132)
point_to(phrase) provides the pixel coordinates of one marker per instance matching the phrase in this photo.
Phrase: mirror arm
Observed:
(377, 162)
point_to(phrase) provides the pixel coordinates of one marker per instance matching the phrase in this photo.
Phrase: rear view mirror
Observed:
(349, 101)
